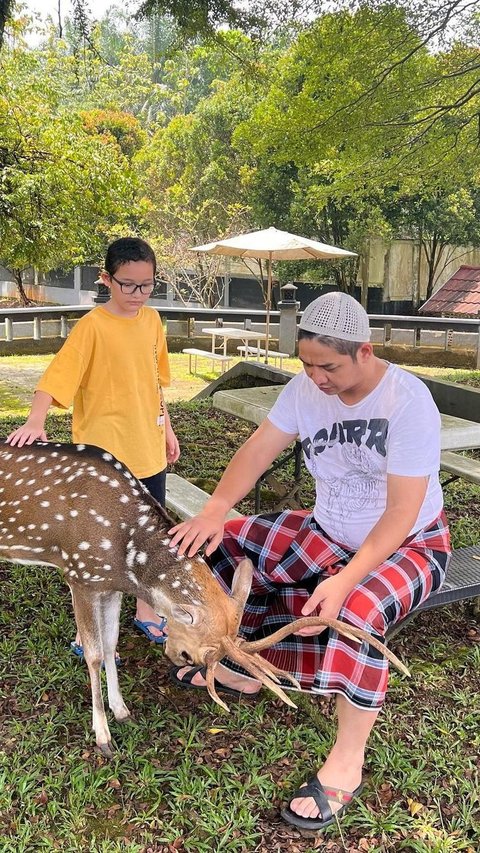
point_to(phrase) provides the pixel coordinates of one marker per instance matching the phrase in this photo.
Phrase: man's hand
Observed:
(27, 434)
(190, 535)
(328, 599)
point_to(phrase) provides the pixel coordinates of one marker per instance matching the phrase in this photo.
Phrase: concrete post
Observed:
(478, 344)
(37, 328)
(8, 329)
(287, 337)
(63, 326)
(77, 283)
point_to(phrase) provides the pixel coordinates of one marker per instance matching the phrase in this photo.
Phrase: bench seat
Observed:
(460, 466)
(201, 353)
(257, 351)
(185, 499)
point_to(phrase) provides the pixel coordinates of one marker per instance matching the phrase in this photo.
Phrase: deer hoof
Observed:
(106, 749)
(123, 716)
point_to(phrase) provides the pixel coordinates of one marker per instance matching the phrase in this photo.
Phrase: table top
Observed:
(240, 334)
(254, 404)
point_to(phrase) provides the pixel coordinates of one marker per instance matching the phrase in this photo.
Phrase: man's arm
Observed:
(405, 496)
(241, 474)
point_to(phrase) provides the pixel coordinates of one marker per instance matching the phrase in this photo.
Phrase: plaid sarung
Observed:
(291, 555)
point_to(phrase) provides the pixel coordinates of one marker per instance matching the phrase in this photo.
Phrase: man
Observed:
(374, 547)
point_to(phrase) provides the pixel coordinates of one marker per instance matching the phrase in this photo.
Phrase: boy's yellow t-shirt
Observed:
(113, 370)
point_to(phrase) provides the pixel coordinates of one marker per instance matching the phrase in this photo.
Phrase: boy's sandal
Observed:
(321, 794)
(77, 650)
(186, 682)
(144, 627)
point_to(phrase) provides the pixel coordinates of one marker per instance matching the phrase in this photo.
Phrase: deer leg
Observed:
(110, 616)
(87, 607)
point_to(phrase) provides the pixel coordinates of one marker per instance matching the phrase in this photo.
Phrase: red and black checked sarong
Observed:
(291, 555)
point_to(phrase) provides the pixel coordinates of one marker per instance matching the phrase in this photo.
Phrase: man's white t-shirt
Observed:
(350, 449)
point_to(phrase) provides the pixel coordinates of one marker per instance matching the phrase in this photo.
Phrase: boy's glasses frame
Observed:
(129, 288)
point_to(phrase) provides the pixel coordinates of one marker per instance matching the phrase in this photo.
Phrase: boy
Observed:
(113, 367)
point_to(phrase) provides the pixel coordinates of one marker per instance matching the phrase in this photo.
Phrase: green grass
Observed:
(189, 777)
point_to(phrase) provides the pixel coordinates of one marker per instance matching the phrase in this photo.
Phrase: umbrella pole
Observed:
(269, 299)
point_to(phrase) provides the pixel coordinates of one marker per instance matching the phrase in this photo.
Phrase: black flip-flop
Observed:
(186, 682)
(321, 795)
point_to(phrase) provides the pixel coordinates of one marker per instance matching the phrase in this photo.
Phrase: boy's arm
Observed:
(34, 426)
(173, 447)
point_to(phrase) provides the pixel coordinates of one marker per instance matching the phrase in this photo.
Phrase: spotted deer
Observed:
(76, 507)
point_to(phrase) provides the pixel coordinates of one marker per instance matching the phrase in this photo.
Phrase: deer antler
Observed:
(246, 654)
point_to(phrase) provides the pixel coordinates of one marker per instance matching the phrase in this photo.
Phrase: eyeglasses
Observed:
(129, 287)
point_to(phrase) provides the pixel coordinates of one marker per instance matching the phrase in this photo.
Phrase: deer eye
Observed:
(186, 657)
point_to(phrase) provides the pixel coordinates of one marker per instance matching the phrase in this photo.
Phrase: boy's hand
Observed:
(173, 447)
(27, 434)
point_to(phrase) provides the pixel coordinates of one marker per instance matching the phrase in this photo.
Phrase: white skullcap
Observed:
(336, 315)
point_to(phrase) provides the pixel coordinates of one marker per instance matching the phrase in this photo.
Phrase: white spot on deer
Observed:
(133, 577)
(73, 574)
(142, 558)
(107, 456)
(74, 513)
(7, 455)
(80, 447)
(118, 465)
(149, 529)
(97, 578)
(31, 482)
(124, 499)
(81, 565)
(127, 475)
(166, 541)
(84, 546)
(188, 567)
(38, 492)
(21, 529)
(161, 577)
(175, 584)
(103, 478)
(143, 520)
(105, 544)
(46, 472)
(65, 556)
(19, 482)
(86, 575)
(41, 459)
(180, 557)
(144, 507)
(62, 497)
(114, 484)
(123, 526)
(44, 503)
(131, 558)
(59, 516)
(67, 469)
(106, 522)
(185, 592)
(38, 550)
(196, 601)
(135, 492)
(107, 567)
(12, 518)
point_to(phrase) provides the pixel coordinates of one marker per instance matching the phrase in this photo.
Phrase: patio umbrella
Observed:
(273, 245)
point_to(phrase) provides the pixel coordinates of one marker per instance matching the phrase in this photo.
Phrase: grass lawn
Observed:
(189, 777)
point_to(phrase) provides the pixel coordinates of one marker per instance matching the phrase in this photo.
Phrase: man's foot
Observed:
(336, 784)
(193, 676)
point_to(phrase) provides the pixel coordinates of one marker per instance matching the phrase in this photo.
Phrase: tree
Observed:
(63, 191)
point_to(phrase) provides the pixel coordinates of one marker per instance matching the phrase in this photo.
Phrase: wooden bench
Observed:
(214, 356)
(257, 351)
(460, 466)
(185, 499)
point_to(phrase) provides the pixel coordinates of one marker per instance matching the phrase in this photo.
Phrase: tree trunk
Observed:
(17, 274)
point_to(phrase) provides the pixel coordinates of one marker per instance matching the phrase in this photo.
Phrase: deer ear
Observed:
(181, 614)
(242, 581)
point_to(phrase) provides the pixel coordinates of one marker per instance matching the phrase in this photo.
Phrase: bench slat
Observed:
(460, 466)
(185, 499)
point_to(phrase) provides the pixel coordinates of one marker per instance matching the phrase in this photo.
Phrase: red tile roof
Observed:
(459, 295)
